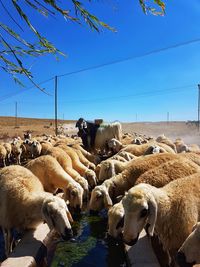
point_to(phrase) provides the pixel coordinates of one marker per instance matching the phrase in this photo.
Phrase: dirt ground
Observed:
(11, 127)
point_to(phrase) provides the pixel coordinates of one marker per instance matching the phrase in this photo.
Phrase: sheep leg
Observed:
(8, 240)
(162, 256)
(4, 162)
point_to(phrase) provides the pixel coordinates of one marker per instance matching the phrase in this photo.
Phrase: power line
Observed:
(131, 57)
(107, 64)
(143, 94)
(20, 92)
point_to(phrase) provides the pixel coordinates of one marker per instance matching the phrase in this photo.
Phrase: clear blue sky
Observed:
(146, 88)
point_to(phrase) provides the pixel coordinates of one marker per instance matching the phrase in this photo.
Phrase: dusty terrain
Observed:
(10, 127)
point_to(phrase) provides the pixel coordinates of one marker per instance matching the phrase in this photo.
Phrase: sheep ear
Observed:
(47, 216)
(152, 215)
(69, 216)
(107, 200)
(45, 211)
(120, 223)
(119, 198)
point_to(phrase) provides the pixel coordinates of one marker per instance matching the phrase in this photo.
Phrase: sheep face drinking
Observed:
(140, 208)
(75, 196)
(99, 199)
(116, 221)
(57, 216)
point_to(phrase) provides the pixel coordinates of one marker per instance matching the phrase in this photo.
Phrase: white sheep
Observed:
(171, 210)
(24, 204)
(35, 149)
(116, 220)
(108, 168)
(189, 254)
(139, 150)
(163, 139)
(52, 176)
(181, 146)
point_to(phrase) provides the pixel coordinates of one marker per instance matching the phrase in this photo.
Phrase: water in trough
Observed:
(89, 247)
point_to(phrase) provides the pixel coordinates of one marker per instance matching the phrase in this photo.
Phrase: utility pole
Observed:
(15, 114)
(56, 100)
(136, 117)
(198, 106)
(167, 117)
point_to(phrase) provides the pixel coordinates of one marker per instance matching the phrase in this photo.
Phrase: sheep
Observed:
(95, 136)
(35, 149)
(45, 147)
(3, 155)
(78, 166)
(92, 158)
(9, 151)
(192, 156)
(52, 176)
(188, 254)
(139, 140)
(171, 210)
(27, 135)
(66, 163)
(163, 139)
(123, 156)
(115, 220)
(26, 149)
(194, 148)
(108, 168)
(17, 151)
(24, 204)
(181, 146)
(158, 177)
(84, 160)
(115, 145)
(102, 194)
(139, 150)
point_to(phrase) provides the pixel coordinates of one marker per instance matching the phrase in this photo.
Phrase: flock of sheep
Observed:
(144, 183)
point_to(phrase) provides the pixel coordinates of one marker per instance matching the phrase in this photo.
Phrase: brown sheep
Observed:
(52, 176)
(78, 166)
(66, 163)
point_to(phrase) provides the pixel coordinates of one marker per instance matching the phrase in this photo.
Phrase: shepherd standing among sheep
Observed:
(96, 136)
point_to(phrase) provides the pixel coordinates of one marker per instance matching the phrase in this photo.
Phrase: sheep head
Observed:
(115, 145)
(91, 178)
(107, 170)
(74, 193)
(116, 220)
(140, 208)
(100, 198)
(57, 216)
